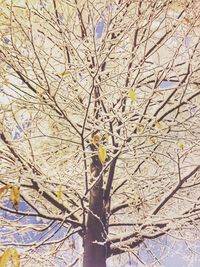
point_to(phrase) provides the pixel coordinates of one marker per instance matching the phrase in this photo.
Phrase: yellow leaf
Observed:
(59, 193)
(132, 95)
(180, 145)
(65, 73)
(15, 257)
(10, 253)
(158, 125)
(15, 196)
(140, 129)
(152, 140)
(178, 5)
(102, 153)
(107, 136)
(5, 258)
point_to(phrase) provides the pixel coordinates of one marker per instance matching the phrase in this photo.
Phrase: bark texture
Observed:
(94, 242)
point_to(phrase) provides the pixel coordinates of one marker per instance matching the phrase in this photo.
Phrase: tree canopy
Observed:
(99, 125)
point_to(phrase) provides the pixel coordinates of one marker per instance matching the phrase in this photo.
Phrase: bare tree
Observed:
(99, 125)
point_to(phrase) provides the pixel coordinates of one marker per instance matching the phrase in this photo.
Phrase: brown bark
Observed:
(94, 241)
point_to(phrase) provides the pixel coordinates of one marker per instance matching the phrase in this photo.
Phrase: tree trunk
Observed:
(94, 241)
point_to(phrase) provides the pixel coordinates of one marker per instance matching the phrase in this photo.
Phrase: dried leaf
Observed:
(102, 153)
(3, 190)
(15, 196)
(96, 139)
